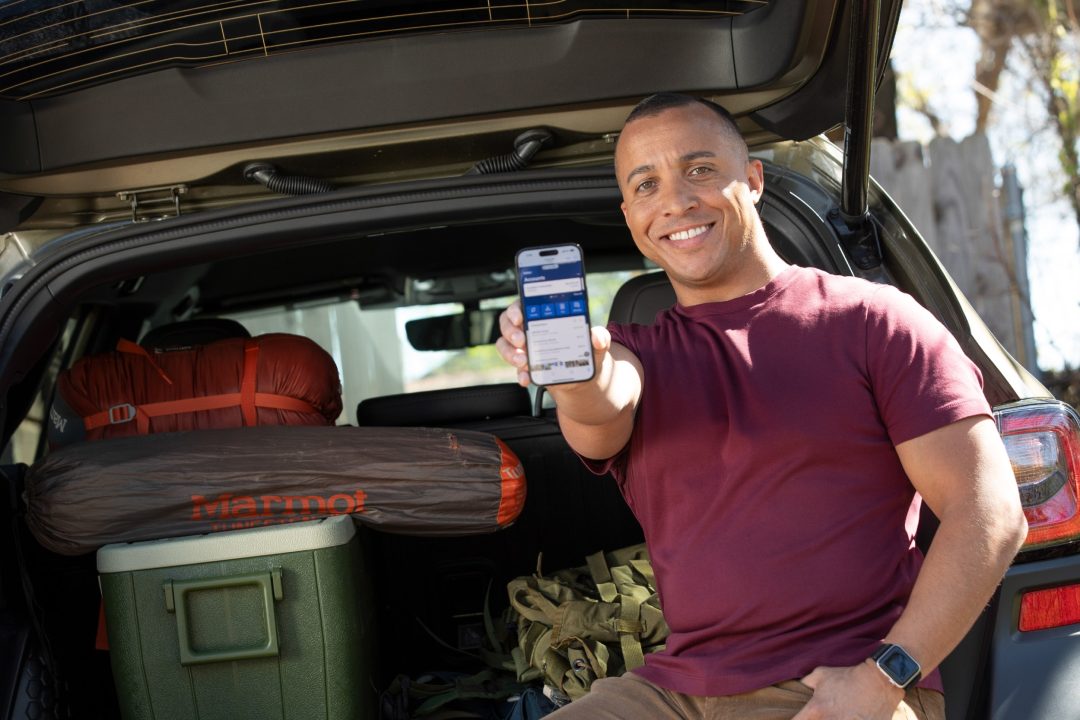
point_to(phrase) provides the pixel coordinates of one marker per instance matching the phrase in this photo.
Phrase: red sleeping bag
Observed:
(273, 379)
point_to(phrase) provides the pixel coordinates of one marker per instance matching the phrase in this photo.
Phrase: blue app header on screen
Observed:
(552, 290)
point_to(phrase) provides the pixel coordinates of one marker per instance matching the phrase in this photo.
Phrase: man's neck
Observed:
(758, 276)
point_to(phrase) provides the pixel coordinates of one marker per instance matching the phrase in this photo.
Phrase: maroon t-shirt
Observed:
(779, 520)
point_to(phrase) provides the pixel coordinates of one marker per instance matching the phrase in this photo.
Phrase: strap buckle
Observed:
(122, 413)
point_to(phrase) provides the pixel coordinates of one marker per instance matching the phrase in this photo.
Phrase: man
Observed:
(770, 433)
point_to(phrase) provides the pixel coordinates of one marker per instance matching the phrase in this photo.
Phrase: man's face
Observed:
(688, 197)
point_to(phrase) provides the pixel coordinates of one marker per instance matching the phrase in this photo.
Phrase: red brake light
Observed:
(1049, 608)
(1043, 442)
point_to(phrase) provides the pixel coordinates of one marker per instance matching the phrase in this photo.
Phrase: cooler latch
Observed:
(198, 624)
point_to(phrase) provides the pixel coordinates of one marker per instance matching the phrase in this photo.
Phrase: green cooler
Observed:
(265, 623)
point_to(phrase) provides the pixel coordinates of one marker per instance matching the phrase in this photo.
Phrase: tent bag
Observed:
(418, 481)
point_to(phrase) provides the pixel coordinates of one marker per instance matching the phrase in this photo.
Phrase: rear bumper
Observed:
(1035, 675)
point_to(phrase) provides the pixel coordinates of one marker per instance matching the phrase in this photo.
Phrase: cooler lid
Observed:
(228, 545)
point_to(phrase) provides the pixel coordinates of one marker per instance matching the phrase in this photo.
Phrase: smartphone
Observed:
(551, 284)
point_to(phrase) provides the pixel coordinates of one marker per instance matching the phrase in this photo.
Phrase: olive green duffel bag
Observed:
(590, 622)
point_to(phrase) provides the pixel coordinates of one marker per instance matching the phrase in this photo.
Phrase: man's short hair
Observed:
(658, 103)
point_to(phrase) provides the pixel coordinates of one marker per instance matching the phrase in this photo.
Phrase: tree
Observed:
(1046, 34)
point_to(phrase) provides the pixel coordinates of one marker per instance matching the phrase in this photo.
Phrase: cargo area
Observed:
(410, 604)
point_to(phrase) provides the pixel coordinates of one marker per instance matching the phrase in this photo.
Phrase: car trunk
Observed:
(86, 165)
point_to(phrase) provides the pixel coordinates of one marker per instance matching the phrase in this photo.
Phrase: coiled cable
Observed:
(268, 175)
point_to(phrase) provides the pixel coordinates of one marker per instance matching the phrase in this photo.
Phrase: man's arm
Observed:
(596, 417)
(963, 474)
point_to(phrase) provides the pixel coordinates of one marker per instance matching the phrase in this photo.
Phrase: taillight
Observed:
(1049, 608)
(1043, 442)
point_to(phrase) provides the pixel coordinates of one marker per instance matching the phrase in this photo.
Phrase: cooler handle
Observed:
(176, 592)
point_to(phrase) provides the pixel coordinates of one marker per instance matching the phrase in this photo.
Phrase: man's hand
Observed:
(597, 416)
(511, 345)
(860, 692)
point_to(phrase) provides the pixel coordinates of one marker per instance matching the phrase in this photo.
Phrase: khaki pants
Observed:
(630, 697)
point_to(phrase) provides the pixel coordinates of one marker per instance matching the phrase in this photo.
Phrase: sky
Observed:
(926, 44)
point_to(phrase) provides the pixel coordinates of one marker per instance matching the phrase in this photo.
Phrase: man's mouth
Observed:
(689, 233)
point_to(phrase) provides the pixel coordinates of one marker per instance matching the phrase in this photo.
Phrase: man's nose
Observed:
(679, 197)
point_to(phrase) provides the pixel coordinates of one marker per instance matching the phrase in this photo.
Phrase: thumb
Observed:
(812, 680)
(601, 339)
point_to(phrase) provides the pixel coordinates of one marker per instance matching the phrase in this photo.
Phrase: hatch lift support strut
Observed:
(852, 221)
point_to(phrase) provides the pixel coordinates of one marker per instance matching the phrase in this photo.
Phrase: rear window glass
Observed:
(55, 47)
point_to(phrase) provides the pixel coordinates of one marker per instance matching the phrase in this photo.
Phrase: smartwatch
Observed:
(902, 670)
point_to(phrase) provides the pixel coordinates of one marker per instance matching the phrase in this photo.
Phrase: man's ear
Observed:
(755, 179)
(622, 206)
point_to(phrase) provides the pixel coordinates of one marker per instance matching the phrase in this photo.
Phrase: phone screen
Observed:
(551, 281)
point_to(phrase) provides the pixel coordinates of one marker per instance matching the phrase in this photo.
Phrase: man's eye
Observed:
(700, 170)
(646, 185)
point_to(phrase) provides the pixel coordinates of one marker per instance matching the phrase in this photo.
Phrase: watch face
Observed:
(899, 665)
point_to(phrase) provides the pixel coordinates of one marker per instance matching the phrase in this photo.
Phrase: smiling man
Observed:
(775, 434)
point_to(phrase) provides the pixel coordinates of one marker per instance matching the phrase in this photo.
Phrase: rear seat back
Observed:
(640, 298)
(452, 407)
(186, 333)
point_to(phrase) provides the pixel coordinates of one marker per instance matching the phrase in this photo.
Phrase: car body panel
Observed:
(1035, 675)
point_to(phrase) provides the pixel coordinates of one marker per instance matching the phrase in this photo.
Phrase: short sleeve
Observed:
(920, 377)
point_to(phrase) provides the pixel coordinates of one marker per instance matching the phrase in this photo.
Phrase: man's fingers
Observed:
(512, 354)
(511, 323)
(811, 711)
(511, 346)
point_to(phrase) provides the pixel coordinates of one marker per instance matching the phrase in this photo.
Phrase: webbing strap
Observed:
(142, 413)
(602, 576)
(633, 655)
(629, 621)
(644, 567)
(248, 383)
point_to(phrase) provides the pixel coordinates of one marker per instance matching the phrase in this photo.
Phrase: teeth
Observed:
(687, 234)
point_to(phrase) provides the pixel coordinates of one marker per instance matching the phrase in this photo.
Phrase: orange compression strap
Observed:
(125, 412)
(248, 384)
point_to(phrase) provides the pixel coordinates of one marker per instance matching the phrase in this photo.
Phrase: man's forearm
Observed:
(597, 417)
(965, 477)
(971, 550)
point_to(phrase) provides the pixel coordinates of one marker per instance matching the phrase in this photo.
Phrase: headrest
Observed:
(437, 408)
(641, 297)
(193, 332)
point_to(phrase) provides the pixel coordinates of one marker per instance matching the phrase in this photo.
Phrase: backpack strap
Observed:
(629, 621)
